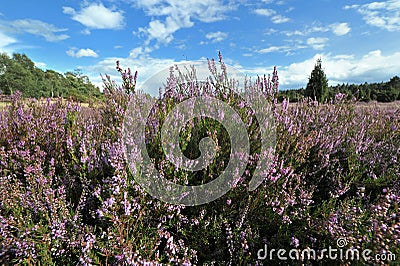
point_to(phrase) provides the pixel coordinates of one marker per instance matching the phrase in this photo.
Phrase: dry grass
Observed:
(372, 104)
(392, 105)
(3, 105)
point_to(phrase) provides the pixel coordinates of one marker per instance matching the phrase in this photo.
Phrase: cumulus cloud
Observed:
(278, 19)
(173, 15)
(139, 52)
(265, 12)
(73, 52)
(146, 66)
(341, 68)
(385, 15)
(202, 10)
(275, 18)
(317, 43)
(217, 36)
(340, 28)
(163, 31)
(371, 67)
(97, 16)
(35, 27)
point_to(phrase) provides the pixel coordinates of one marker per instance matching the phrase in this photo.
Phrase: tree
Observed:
(19, 73)
(24, 61)
(317, 87)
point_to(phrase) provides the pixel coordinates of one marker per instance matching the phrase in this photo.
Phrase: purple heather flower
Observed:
(295, 242)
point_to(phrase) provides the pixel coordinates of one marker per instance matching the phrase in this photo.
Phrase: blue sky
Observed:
(357, 40)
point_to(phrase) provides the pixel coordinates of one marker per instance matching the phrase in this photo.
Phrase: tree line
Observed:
(19, 73)
(317, 88)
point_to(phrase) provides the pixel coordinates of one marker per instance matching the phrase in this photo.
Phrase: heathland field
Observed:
(68, 197)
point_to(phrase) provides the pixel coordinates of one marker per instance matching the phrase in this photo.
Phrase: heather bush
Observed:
(68, 197)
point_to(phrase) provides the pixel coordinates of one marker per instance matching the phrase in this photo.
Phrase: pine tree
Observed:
(317, 87)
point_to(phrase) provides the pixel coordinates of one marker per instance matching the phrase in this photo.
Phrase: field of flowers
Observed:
(67, 196)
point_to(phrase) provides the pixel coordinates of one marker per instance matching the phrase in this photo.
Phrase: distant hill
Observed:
(19, 73)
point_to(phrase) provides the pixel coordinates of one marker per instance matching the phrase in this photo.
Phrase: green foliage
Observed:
(382, 92)
(317, 87)
(292, 95)
(19, 73)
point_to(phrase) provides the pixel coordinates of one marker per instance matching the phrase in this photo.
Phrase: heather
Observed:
(68, 196)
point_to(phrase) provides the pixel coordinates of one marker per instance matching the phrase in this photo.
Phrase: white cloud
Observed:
(270, 31)
(294, 33)
(35, 27)
(181, 46)
(73, 52)
(86, 32)
(218, 36)
(385, 15)
(140, 52)
(6, 41)
(97, 16)
(145, 65)
(342, 68)
(41, 65)
(202, 10)
(163, 31)
(317, 43)
(287, 49)
(372, 67)
(337, 28)
(275, 18)
(340, 28)
(265, 12)
(278, 19)
(290, 9)
(272, 49)
(173, 15)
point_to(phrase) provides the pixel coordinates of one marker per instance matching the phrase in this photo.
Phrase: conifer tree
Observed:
(317, 87)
